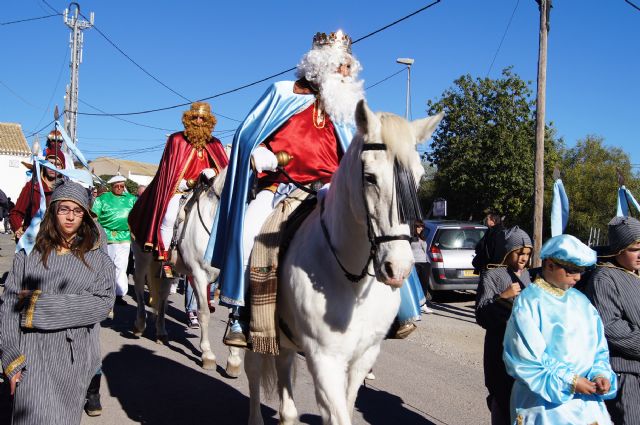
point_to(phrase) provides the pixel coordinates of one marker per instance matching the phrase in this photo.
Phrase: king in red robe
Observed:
(185, 156)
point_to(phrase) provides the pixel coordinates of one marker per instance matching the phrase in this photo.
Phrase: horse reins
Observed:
(200, 214)
(374, 241)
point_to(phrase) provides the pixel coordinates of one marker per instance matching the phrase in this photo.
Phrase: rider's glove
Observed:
(209, 173)
(264, 159)
(183, 186)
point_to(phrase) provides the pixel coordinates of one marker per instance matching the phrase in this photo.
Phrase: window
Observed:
(459, 238)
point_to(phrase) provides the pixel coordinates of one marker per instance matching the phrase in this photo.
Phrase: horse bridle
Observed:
(374, 241)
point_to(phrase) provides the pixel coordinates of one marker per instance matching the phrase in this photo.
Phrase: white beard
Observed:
(340, 95)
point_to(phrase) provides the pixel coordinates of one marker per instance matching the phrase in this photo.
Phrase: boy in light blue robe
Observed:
(554, 345)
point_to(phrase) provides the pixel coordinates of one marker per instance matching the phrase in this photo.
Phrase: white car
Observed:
(450, 250)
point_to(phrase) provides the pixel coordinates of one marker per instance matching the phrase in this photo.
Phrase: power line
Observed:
(30, 19)
(503, 37)
(66, 56)
(17, 95)
(103, 113)
(129, 57)
(262, 79)
(38, 131)
(422, 9)
(136, 63)
(384, 79)
(633, 5)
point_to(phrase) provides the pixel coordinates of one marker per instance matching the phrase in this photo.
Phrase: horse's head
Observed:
(391, 172)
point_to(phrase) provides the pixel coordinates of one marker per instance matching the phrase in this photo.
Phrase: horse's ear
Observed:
(425, 127)
(365, 118)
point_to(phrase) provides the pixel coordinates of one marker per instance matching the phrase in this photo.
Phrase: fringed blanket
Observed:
(263, 276)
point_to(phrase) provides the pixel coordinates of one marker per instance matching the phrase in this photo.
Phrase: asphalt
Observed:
(432, 377)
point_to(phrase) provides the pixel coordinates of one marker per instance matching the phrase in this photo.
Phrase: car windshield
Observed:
(459, 238)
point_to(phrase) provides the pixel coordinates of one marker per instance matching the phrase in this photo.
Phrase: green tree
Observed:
(590, 180)
(484, 148)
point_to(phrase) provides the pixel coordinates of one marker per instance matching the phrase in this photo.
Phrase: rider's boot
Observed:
(237, 329)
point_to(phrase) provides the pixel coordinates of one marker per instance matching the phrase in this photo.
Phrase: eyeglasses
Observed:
(64, 210)
(570, 269)
(118, 186)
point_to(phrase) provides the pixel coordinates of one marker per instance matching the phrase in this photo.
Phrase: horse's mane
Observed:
(398, 135)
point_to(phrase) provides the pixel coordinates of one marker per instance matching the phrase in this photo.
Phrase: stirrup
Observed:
(234, 339)
(166, 271)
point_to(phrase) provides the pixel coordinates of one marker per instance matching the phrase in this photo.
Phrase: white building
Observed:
(13, 151)
(139, 172)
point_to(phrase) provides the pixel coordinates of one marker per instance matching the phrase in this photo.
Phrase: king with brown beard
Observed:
(185, 156)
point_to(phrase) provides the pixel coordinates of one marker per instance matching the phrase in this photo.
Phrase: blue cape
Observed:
(224, 251)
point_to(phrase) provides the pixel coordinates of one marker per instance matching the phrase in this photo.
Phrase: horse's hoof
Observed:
(233, 371)
(209, 364)
(138, 332)
(162, 340)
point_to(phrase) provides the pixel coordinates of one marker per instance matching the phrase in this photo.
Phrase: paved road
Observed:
(433, 377)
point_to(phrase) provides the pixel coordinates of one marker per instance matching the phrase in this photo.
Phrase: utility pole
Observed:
(76, 39)
(545, 7)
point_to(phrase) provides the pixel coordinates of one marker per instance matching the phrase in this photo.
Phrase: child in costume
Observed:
(554, 345)
(498, 288)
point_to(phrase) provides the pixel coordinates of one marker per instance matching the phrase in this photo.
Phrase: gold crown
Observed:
(335, 39)
(200, 108)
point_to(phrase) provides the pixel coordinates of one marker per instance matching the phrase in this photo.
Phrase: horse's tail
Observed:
(269, 376)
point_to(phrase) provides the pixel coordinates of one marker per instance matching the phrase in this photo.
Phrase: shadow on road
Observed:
(124, 317)
(155, 390)
(380, 407)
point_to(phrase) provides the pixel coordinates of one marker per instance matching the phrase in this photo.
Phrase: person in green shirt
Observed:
(112, 211)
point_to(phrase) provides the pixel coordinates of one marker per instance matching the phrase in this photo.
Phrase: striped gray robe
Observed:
(53, 338)
(492, 313)
(615, 293)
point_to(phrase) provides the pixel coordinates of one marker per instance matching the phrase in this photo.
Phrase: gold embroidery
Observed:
(520, 420)
(574, 382)
(28, 323)
(14, 364)
(184, 170)
(547, 287)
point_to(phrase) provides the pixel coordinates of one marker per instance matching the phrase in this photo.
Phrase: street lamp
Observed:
(408, 62)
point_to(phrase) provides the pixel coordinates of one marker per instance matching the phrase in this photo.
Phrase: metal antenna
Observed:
(76, 39)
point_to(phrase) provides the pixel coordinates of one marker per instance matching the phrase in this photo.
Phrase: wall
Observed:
(13, 174)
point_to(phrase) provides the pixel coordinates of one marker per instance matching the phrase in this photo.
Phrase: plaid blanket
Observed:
(263, 276)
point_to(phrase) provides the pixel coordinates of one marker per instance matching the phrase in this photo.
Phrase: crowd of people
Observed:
(562, 342)
(552, 354)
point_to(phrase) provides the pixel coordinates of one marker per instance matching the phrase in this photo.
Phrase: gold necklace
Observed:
(318, 115)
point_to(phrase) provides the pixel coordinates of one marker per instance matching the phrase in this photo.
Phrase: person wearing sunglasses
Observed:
(614, 290)
(54, 300)
(555, 346)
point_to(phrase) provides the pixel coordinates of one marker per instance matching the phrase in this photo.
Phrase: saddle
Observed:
(269, 249)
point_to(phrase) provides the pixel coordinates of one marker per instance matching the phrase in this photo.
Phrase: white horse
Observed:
(337, 318)
(195, 235)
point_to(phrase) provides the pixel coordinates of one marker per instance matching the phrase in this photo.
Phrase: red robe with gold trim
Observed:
(147, 213)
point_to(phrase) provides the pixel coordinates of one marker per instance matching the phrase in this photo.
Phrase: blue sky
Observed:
(200, 48)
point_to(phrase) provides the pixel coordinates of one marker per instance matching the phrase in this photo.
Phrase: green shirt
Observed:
(113, 212)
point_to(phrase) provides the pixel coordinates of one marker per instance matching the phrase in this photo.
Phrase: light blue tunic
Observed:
(552, 337)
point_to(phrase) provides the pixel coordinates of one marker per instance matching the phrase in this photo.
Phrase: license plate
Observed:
(468, 273)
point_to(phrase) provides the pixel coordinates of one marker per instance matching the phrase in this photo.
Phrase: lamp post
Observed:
(408, 62)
